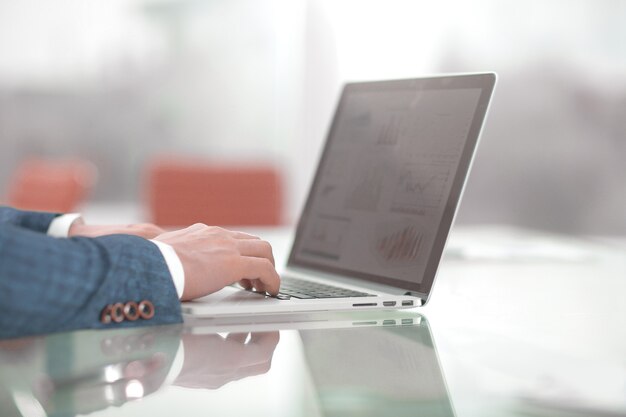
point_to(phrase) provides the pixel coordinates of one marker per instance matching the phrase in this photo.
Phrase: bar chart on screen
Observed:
(398, 245)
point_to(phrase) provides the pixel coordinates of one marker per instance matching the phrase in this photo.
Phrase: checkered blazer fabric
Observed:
(37, 221)
(52, 284)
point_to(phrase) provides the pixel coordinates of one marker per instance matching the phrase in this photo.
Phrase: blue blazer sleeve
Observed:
(49, 284)
(33, 220)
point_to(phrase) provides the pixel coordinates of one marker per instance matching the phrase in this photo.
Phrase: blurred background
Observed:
(102, 97)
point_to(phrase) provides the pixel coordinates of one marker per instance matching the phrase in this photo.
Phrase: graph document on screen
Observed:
(381, 193)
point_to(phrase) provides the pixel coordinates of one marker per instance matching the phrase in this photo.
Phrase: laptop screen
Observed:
(390, 178)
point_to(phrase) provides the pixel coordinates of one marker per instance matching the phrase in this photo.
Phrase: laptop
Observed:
(382, 202)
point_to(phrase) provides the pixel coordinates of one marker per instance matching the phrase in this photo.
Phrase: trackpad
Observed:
(231, 295)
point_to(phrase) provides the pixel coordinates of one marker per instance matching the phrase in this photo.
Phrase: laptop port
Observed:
(389, 303)
(407, 321)
(364, 305)
(389, 322)
(407, 302)
(364, 323)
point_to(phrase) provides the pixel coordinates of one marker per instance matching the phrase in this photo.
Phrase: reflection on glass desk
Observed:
(520, 323)
(354, 365)
(377, 371)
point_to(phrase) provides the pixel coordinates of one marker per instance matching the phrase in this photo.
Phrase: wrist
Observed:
(77, 228)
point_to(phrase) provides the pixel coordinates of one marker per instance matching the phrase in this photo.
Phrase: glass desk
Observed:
(520, 324)
(352, 365)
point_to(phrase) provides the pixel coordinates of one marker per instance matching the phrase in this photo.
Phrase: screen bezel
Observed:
(485, 82)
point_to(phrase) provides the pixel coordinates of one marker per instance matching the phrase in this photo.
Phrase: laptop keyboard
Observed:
(304, 289)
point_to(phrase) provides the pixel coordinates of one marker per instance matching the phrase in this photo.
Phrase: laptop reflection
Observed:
(391, 370)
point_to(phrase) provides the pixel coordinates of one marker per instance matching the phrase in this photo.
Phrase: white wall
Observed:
(118, 81)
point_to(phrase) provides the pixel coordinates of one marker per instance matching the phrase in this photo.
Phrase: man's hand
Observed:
(145, 230)
(213, 258)
(212, 361)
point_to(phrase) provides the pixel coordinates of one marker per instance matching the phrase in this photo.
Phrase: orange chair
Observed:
(51, 185)
(182, 192)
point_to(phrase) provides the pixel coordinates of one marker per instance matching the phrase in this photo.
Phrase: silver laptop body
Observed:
(383, 199)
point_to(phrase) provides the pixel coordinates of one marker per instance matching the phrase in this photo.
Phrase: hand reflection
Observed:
(112, 367)
(212, 361)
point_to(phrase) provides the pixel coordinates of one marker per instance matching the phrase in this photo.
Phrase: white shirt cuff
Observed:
(60, 226)
(174, 265)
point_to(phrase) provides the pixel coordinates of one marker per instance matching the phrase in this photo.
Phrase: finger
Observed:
(256, 248)
(262, 270)
(258, 285)
(237, 337)
(242, 235)
(196, 226)
(253, 369)
(266, 342)
(246, 284)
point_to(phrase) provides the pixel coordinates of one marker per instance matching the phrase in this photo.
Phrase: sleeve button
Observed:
(131, 311)
(105, 316)
(117, 312)
(146, 310)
